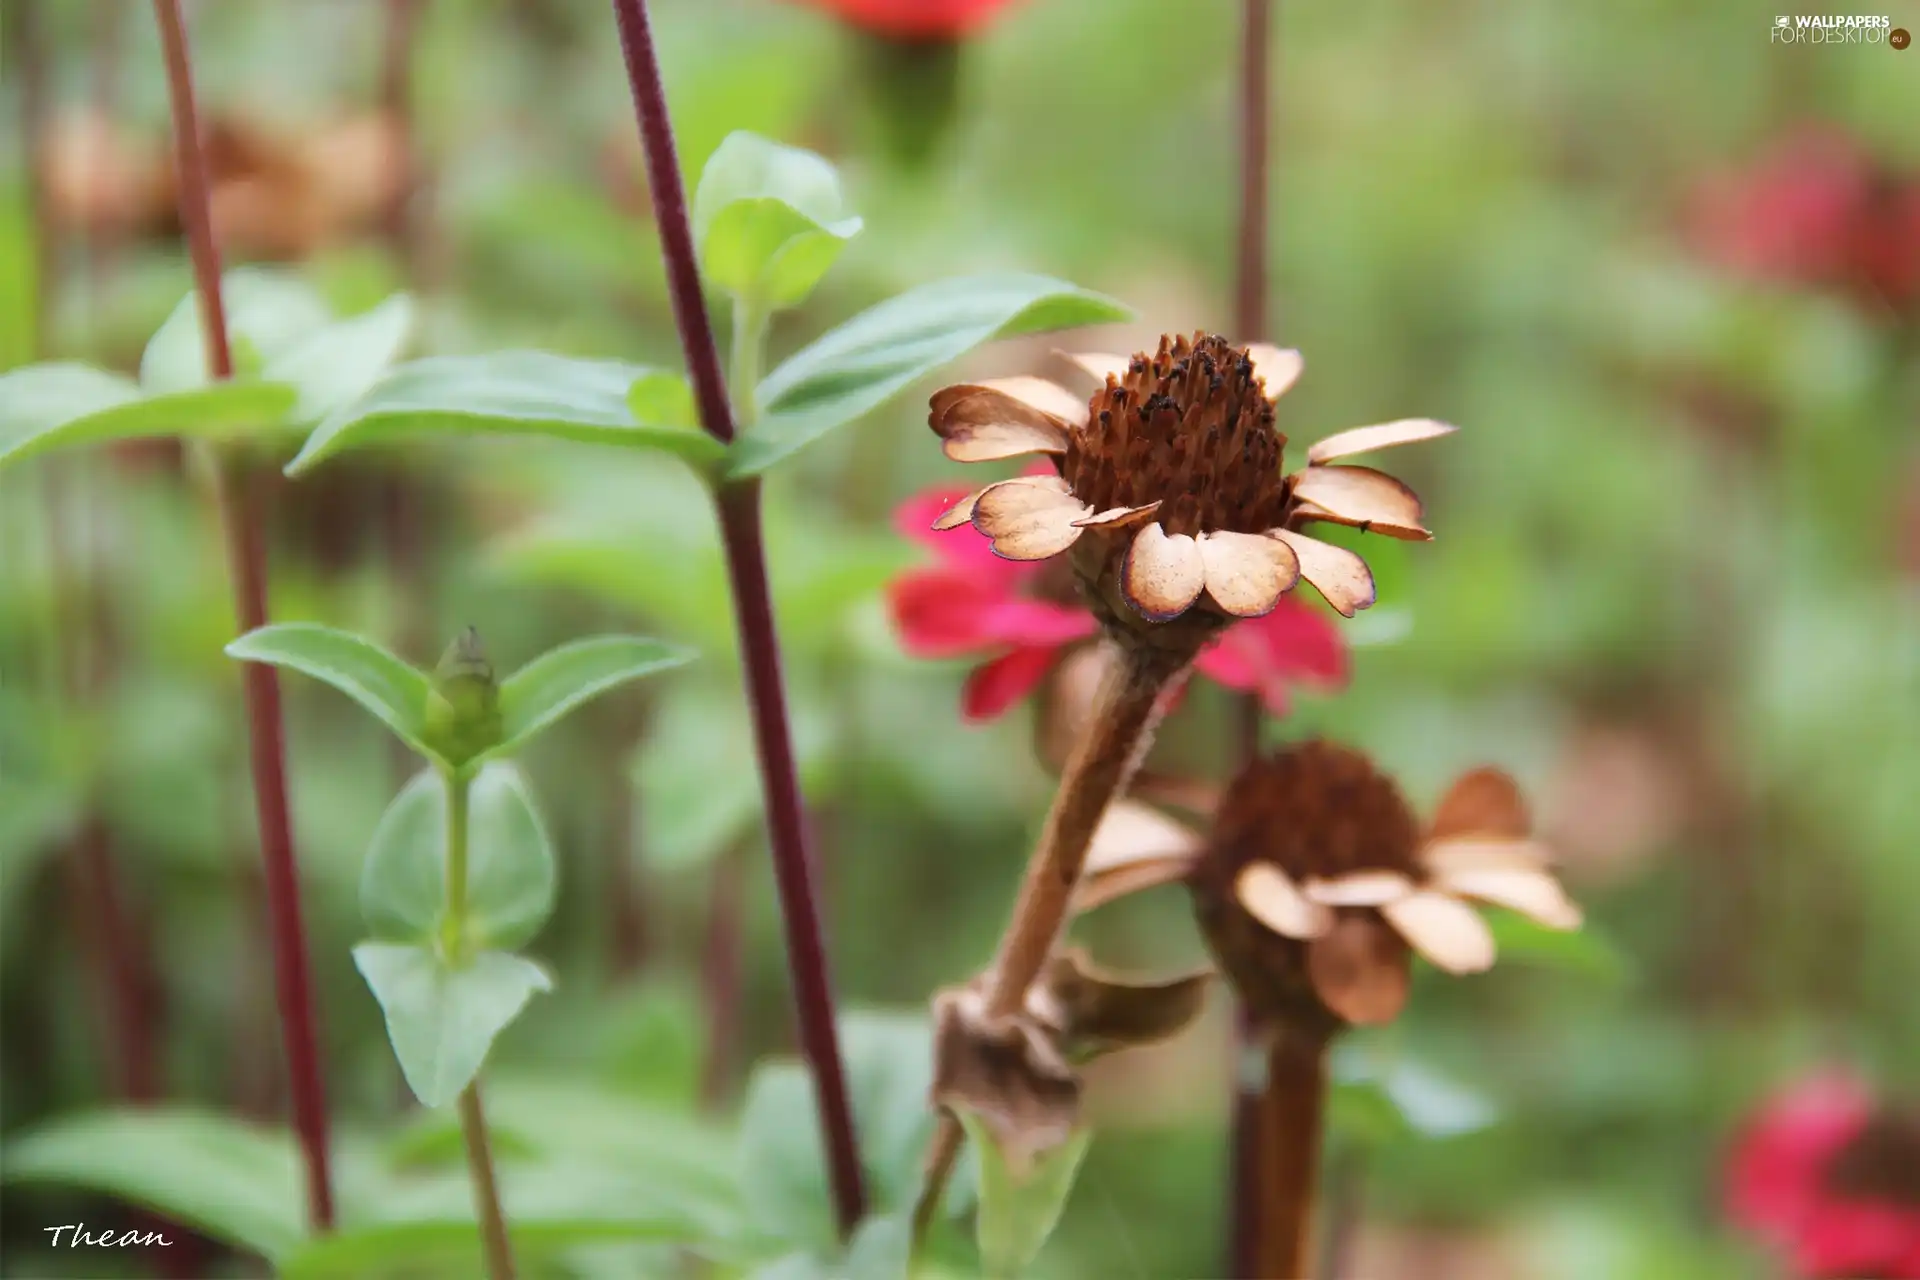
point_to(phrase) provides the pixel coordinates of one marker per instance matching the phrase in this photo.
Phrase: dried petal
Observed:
(1096, 1011)
(1335, 572)
(1272, 899)
(1247, 573)
(1444, 857)
(1134, 848)
(1382, 435)
(1024, 399)
(1362, 497)
(1534, 893)
(1482, 802)
(1362, 889)
(1359, 970)
(1100, 364)
(1028, 518)
(992, 441)
(1444, 929)
(1163, 575)
(1007, 1072)
(1118, 517)
(1278, 367)
(959, 513)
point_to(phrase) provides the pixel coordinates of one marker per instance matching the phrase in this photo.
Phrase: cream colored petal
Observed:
(1444, 929)
(1381, 435)
(1022, 399)
(1359, 969)
(1097, 888)
(1278, 367)
(1163, 574)
(1362, 889)
(1247, 573)
(991, 441)
(1133, 832)
(1027, 518)
(1335, 572)
(1272, 899)
(1481, 853)
(1099, 363)
(959, 513)
(1117, 517)
(1532, 892)
(1482, 802)
(1364, 498)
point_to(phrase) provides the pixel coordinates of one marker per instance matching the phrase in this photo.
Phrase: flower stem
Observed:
(486, 1191)
(1288, 1124)
(246, 554)
(738, 503)
(1247, 1225)
(473, 1122)
(1130, 706)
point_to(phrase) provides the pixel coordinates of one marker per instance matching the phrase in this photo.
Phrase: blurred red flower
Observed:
(1817, 209)
(914, 19)
(1833, 1181)
(1027, 615)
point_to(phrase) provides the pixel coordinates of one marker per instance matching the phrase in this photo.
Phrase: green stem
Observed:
(497, 1246)
(743, 365)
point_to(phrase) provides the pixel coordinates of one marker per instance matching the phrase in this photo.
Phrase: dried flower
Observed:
(1167, 486)
(1316, 879)
(1832, 1180)
(1020, 1074)
(1028, 615)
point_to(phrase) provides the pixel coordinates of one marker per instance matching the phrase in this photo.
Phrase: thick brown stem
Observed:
(1287, 1126)
(1130, 704)
(486, 1189)
(247, 564)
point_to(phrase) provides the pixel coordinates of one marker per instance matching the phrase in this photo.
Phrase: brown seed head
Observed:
(1314, 811)
(1189, 427)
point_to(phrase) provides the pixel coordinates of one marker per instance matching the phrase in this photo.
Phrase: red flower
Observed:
(915, 19)
(1817, 210)
(1832, 1182)
(1026, 615)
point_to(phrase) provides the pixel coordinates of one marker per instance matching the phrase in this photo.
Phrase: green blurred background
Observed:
(1675, 585)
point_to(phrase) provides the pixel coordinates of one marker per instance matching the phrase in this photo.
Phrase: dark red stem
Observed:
(741, 534)
(247, 561)
(1247, 1223)
(670, 213)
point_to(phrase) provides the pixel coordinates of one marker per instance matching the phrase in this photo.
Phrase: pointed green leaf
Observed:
(882, 1248)
(510, 863)
(1584, 951)
(506, 393)
(340, 363)
(268, 311)
(1019, 1208)
(561, 679)
(661, 399)
(236, 1182)
(228, 410)
(852, 369)
(393, 691)
(782, 1163)
(443, 1019)
(768, 221)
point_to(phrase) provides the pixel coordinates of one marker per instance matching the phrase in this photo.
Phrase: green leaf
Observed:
(782, 1163)
(28, 425)
(661, 399)
(235, 1182)
(850, 370)
(1381, 1100)
(767, 220)
(1584, 951)
(268, 312)
(340, 363)
(395, 692)
(442, 1019)
(889, 1059)
(506, 393)
(561, 679)
(428, 1226)
(510, 863)
(1020, 1207)
(882, 1248)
